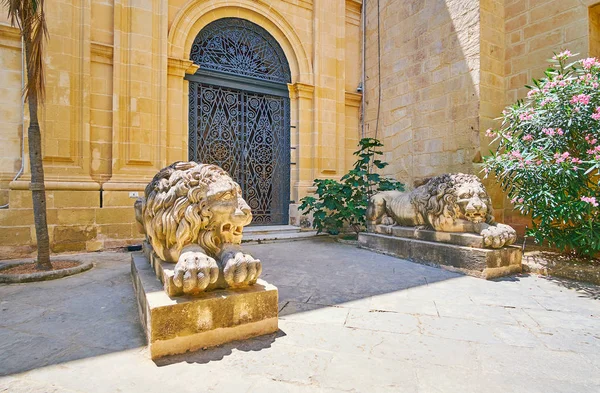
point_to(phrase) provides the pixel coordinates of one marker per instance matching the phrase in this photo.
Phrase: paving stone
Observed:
(13, 312)
(558, 365)
(573, 340)
(383, 321)
(366, 374)
(313, 313)
(475, 312)
(333, 338)
(457, 329)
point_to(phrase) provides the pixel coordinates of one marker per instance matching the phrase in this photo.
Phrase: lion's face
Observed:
(190, 203)
(472, 201)
(229, 211)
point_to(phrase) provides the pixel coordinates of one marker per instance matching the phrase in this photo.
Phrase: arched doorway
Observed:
(239, 112)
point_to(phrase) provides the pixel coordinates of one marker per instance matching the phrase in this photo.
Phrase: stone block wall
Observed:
(430, 85)
(117, 106)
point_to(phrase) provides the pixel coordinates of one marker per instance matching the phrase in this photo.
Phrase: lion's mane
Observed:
(175, 211)
(435, 201)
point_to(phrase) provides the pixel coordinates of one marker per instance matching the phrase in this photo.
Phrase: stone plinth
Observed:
(175, 325)
(452, 251)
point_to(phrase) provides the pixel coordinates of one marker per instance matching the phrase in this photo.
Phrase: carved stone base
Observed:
(478, 262)
(175, 325)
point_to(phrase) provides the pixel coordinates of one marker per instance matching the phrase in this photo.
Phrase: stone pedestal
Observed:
(175, 325)
(461, 252)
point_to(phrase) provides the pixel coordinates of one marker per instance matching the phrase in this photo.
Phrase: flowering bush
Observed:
(548, 155)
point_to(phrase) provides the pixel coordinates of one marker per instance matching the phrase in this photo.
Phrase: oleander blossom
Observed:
(590, 200)
(582, 99)
(589, 63)
(563, 55)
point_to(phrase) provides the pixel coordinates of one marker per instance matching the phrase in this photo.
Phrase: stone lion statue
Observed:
(193, 215)
(448, 203)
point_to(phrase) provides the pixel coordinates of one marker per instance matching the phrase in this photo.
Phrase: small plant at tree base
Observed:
(548, 156)
(344, 203)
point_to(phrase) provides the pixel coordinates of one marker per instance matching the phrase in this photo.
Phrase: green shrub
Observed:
(343, 204)
(548, 156)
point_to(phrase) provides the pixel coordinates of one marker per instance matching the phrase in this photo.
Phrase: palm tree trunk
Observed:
(38, 190)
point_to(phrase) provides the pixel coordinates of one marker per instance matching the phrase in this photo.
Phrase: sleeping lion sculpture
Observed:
(193, 215)
(448, 203)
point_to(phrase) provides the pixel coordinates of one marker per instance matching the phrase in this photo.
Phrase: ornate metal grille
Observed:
(239, 47)
(239, 112)
(246, 134)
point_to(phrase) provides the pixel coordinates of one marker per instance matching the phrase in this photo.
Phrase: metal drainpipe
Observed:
(22, 116)
(362, 82)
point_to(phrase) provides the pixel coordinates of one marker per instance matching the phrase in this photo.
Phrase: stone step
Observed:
(276, 236)
(270, 229)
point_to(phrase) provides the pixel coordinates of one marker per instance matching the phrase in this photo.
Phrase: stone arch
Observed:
(194, 16)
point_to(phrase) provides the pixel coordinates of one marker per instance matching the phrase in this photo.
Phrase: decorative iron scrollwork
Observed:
(239, 47)
(244, 133)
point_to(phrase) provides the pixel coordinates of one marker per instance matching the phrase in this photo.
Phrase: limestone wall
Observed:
(430, 78)
(537, 28)
(117, 105)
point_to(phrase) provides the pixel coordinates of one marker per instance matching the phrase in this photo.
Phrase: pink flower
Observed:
(548, 131)
(546, 101)
(561, 157)
(581, 99)
(520, 200)
(516, 154)
(528, 137)
(590, 138)
(527, 115)
(589, 63)
(559, 131)
(596, 116)
(576, 160)
(563, 55)
(490, 133)
(590, 200)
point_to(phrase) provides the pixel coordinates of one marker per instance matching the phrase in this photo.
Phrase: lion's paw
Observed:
(387, 220)
(499, 236)
(240, 269)
(194, 271)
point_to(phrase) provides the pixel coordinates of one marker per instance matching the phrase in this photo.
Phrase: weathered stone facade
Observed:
(117, 106)
(448, 68)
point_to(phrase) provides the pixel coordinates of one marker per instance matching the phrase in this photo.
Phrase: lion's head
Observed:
(447, 198)
(187, 203)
